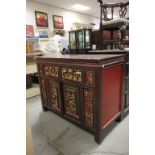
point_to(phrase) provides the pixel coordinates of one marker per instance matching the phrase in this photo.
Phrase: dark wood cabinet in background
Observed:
(84, 89)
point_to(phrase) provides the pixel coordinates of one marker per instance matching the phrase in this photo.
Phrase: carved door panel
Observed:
(71, 101)
(54, 95)
(88, 107)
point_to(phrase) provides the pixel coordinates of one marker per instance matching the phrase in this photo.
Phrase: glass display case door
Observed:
(87, 39)
(72, 39)
(81, 39)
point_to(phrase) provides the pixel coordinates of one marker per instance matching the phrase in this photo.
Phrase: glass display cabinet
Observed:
(84, 40)
(72, 42)
(80, 41)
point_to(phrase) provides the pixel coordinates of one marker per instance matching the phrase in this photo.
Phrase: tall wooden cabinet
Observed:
(84, 89)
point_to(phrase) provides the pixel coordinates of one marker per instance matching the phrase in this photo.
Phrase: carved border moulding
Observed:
(53, 71)
(54, 95)
(71, 101)
(41, 68)
(43, 88)
(89, 77)
(72, 74)
(88, 104)
(46, 70)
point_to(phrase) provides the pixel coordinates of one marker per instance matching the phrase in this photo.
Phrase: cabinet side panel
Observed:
(112, 93)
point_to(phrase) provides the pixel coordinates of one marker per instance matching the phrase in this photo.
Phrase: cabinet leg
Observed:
(45, 108)
(119, 119)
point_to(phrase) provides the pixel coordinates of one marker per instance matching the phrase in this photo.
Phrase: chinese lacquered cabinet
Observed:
(84, 89)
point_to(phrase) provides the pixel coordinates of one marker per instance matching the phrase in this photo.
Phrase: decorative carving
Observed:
(41, 69)
(72, 74)
(50, 70)
(71, 100)
(123, 10)
(54, 95)
(89, 77)
(71, 97)
(46, 70)
(54, 71)
(88, 103)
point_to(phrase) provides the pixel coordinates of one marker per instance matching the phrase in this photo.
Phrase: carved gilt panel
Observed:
(88, 104)
(72, 74)
(54, 95)
(89, 77)
(70, 96)
(53, 71)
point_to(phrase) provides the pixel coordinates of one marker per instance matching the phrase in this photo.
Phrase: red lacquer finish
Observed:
(112, 94)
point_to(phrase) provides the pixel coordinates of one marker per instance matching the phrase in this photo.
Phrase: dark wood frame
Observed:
(54, 24)
(36, 19)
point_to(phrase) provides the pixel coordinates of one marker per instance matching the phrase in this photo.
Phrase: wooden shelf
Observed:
(33, 54)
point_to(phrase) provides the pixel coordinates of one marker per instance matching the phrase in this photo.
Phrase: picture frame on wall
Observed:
(41, 19)
(43, 33)
(58, 22)
(29, 30)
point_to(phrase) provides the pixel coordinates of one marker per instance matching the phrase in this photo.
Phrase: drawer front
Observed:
(71, 101)
(72, 74)
(49, 70)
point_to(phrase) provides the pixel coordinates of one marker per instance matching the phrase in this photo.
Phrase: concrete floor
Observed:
(53, 135)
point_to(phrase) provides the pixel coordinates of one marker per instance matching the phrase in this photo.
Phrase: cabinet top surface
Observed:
(80, 57)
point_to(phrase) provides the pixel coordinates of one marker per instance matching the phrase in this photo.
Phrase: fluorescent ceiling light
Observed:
(80, 7)
(114, 16)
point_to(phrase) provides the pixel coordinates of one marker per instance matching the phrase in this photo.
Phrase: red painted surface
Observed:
(112, 92)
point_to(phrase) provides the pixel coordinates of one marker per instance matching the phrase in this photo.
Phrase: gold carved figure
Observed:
(72, 74)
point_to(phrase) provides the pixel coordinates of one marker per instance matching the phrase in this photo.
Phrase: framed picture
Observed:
(41, 19)
(29, 30)
(58, 22)
(43, 33)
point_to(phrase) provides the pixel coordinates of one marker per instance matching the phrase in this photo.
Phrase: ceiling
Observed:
(66, 4)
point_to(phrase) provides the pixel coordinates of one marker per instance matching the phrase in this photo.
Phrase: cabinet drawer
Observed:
(49, 70)
(72, 74)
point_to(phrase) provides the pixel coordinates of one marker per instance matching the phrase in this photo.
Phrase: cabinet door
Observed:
(54, 95)
(71, 101)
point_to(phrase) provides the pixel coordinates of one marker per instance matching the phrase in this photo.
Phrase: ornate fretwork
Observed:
(46, 70)
(54, 71)
(88, 103)
(89, 77)
(54, 95)
(123, 10)
(41, 69)
(51, 71)
(72, 74)
(71, 100)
